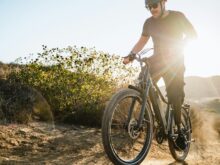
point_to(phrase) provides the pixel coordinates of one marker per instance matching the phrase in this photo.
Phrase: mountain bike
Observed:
(134, 116)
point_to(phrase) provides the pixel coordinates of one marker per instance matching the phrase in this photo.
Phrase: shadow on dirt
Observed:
(37, 144)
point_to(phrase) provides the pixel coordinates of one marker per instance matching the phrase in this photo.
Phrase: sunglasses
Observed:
(154, 6)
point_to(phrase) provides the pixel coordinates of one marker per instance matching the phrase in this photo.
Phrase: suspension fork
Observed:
(144, 96)
(144, 101)
(131, 110)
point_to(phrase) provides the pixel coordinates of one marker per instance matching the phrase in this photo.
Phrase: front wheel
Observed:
(177, 153)
(123, 141)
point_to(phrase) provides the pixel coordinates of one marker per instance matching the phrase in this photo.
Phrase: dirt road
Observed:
(77, 145)
(67, 145)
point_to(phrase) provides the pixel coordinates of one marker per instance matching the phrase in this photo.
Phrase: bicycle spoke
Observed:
(119, 114)
(147, 121)
(125, 140)
(140, 142)
(117, 124)
(115, 135)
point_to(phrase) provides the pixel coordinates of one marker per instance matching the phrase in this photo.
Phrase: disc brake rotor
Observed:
(132, 129)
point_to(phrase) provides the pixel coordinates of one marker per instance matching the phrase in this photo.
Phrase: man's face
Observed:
(155, 9)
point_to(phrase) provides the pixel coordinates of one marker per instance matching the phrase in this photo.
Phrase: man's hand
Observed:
(130, 57)
(126, 60)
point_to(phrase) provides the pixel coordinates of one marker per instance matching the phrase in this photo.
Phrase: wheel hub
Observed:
(132, 129)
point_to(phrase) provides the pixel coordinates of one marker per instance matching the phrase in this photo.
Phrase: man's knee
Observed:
(176, 95)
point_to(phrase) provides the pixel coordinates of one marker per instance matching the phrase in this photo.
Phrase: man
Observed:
(169, 31)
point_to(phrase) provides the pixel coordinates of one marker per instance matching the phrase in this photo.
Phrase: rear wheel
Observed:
(177, 153)
(123, 142)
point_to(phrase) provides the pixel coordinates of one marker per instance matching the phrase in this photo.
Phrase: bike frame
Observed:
(149, 88)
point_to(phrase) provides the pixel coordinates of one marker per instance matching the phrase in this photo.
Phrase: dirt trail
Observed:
(39, 144)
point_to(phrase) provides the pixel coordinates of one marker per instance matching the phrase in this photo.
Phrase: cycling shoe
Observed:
(181, 142)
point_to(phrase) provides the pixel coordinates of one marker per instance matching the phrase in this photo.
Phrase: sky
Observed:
(112, 26)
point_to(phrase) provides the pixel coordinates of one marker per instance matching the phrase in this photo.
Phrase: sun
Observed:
(202, 54)
(191, 53)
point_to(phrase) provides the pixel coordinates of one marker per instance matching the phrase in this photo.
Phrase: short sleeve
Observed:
(145, 31)
(187, 26)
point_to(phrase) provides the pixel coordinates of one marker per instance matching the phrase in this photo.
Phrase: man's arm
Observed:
(138, 47)
(140, 44)
(189, 30)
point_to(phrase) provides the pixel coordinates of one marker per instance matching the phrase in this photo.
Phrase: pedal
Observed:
(192, 140)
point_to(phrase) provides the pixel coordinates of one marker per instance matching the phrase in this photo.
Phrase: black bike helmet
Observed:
(149, 2)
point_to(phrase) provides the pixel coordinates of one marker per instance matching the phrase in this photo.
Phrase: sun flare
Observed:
(201, 55)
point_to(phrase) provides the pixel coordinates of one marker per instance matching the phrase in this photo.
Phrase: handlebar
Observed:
(138, 56)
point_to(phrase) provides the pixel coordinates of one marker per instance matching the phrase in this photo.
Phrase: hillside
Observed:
(201, 88)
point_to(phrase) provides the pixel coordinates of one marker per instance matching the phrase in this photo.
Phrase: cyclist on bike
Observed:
(169, 31)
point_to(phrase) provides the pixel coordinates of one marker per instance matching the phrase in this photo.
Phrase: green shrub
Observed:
(73, 80)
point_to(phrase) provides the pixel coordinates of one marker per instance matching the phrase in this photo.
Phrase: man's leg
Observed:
(155, 68)
(174, 80)
(177, 104)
